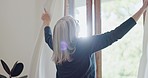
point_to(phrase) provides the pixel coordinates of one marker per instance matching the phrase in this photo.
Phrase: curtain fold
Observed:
(42, 65)
(143, 67)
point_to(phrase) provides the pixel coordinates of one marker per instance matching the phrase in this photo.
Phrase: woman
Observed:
(71, 54)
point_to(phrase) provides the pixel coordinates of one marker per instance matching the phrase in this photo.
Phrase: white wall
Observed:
(20, 24)
(18, 32)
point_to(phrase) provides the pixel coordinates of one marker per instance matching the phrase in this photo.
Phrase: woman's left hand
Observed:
(46, 18)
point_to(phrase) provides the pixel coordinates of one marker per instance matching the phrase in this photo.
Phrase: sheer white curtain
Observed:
(42, 65)
(143, 68)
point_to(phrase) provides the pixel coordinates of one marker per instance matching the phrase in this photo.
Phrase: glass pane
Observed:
(121, 59)
(80, 14)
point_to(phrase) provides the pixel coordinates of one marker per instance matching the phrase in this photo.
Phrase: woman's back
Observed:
(80, 62)
(78, 66)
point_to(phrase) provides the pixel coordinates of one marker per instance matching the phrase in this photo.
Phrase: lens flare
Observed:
(63, 46)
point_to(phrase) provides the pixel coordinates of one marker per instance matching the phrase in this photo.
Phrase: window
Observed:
(121, 60)
(83, 11)
(122, 55)
(80, 14)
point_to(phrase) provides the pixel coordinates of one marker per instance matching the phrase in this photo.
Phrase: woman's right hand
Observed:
(137, 15)
(46, 18)
(145, 4)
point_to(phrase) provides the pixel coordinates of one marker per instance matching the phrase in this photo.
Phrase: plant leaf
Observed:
(17, 70)
(5, 66)
(2, 76)
(14, 66)
(24, 76)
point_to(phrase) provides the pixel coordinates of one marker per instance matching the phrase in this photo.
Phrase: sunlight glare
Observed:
(81, 16)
